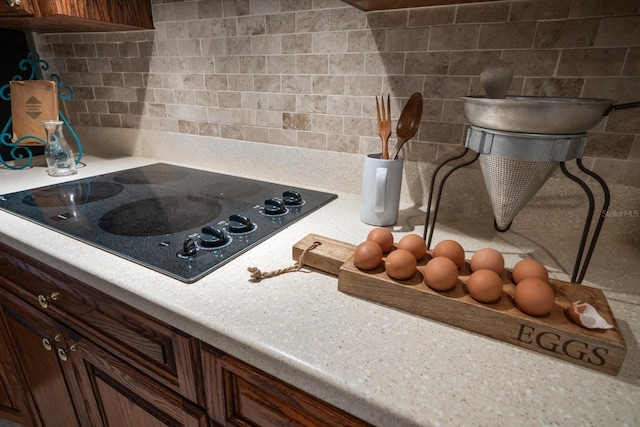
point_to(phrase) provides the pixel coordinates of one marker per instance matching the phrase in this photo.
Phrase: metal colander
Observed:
(511, 183)
(515, 165)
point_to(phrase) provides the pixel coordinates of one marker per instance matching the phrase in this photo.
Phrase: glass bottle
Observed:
(60, 158)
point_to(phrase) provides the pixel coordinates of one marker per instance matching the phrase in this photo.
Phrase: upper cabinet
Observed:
(47, 16)
(369, 5)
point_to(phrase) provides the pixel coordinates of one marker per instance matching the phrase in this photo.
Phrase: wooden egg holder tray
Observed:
(555, 335)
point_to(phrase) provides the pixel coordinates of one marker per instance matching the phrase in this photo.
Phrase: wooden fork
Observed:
(384, 124)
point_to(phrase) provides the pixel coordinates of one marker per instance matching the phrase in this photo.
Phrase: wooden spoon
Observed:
(408, 123)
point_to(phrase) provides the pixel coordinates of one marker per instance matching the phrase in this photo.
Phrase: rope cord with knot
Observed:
(257, 275)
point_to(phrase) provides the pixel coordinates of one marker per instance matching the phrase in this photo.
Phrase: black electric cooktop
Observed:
(179, 221)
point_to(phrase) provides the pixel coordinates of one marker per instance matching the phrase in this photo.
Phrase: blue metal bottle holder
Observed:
(23, 152)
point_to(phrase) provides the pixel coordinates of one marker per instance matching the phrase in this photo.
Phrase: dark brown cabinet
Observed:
(76, 16)
(73, 356)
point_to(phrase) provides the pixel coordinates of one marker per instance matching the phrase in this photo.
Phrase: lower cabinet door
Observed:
(33, 337)
(118, 395)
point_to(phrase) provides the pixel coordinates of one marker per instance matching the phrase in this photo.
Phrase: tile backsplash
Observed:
(304, 72)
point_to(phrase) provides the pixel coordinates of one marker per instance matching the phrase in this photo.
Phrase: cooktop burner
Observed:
(179, 221)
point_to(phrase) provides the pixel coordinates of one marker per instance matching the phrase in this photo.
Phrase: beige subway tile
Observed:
(591, 62)
(618, 172)
(253, 100)
(240, 82)
(219, 114)
(184, 97)
(208, 9)
(453, 112)
(251, 25)
(227, 64)
(236, 7)
(532, 62)
(202, 64)
(508, 35)
(238, 45)
(420, 151)
(566, 33)
(313, 140)
(447, 87)
(159, 65)
(163, 95)
(363, 85)
(550, 86)
(632, 63)
(343, 143)
(299, 43)
(255, 134)
(430, 63)
(188, 127)
(281, 64)
(80, 106)
(107, 120)
(92, 106)
(118, 107)
(77, 65)
(140, 65)
(624, 121)
(366, 41)
(208, 129)
(281, 23)
(483, 12)
(293, 5)
(311, 104)
(346, 63)
(611, 146)
(345, 105)
(244, 117)
(168, 125)
(180, 65)
(213, 46)
(313, 20)
(368, 144)
(329, 42)
(269, 44)
(155, 109)
(327, 123)
(201, 29)
(216, 82)
(432, 110)
(360, 126)
(205, 98)
(270, 119)
(388, 19)
(282, 137)
(471, 62)
(296, 84)
(267, 83)
(446, 133)
(621, 90)
(407, 39)
(230, 131)
(619, 31)
(402, 86)
(586, 8)
(535, 10)
(253, 64)
(328, 84)
(229, 99)
(431, 16)
(347, 18)
(384, 63)
(454, 37)
(133, 80)
(138, 108)
(187, 112)
(294, 121)
(281, 102)
(186, 11)
(89, 119)
(312, 64)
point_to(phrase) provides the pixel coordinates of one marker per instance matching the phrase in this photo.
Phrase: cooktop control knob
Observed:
(239, 224)
(213, 237)
(274, 207)
(292, 198)
(188, 247)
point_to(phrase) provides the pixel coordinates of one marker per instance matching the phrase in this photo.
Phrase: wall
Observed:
(304, 72)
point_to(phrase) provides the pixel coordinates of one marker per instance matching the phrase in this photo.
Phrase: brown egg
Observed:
(441, 274)
(484, 286)
(488, 258)
(450, 249)
(528, 268)
(382, 237)
(414, 244)
(367, 255)
(534, 297)
(400, 264)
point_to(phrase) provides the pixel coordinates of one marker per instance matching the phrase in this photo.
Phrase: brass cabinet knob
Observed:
(44, 301)
(46, 342)
(63, 353)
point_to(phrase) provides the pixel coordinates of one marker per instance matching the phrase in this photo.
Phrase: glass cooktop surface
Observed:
(180, 221)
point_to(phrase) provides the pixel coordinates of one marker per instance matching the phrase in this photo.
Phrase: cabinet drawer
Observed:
(241, 395)
(143, 341)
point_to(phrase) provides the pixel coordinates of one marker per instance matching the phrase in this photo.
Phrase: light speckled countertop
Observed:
(384, 366)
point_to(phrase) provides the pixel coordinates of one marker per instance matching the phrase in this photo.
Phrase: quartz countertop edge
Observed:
(382, 365)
